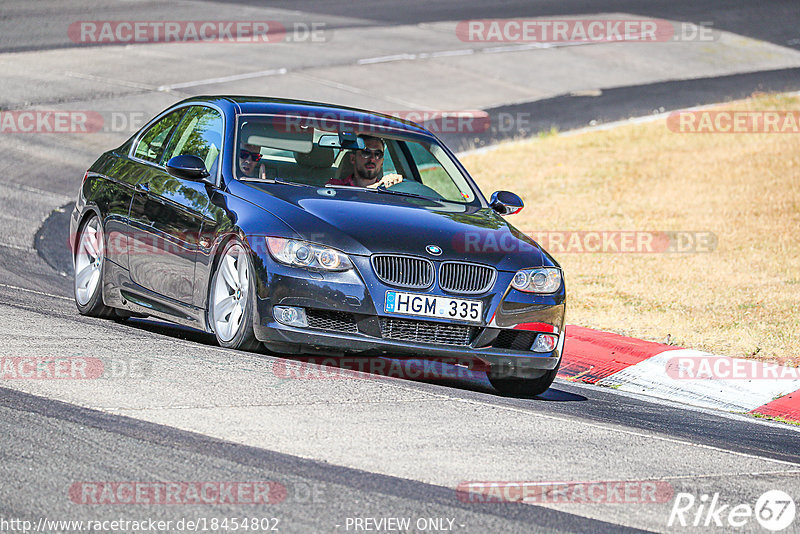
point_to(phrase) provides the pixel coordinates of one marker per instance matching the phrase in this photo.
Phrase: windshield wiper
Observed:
(414, 195)
(374, 190)
(382, 190)
(267, 180)
(402, 193)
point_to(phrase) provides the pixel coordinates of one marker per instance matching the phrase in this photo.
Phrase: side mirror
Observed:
(506, 203)
(188, 167)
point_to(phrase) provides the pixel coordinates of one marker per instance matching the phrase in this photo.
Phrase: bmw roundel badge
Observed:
(433, 250)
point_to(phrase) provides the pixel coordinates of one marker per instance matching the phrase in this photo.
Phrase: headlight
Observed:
(542, 280)
(308, 255)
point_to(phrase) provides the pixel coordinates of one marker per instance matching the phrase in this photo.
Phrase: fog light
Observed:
(290, 316)
(544, 343)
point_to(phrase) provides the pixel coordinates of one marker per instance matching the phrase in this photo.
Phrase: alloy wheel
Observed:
(88, 262)
(231, 291)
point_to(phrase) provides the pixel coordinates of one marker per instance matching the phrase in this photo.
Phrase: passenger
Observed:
(367, 166)
(249, 156)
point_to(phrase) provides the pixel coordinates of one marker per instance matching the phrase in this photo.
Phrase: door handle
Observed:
(144, 187)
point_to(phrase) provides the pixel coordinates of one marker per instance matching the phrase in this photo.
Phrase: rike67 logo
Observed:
(774, 511)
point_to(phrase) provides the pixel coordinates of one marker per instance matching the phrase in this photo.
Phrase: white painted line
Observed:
(224, 79)
(519, 48)
(386, 59)
(730, 475)
(124, 83)
(42, 192)
(468, 51)
(450, 53)
(359, 91)
(540, 46)
(651, 377)
(26, 290)
(16, 247)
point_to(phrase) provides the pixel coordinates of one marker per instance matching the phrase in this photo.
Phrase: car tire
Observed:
(524, 387)
(89, 263)
(232, 293)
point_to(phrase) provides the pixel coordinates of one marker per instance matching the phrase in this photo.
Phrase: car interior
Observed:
(309, 155)
(296, 156)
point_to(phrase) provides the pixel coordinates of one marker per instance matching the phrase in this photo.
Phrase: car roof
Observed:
(267, 105)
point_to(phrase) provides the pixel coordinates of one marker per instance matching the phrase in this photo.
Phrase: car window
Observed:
(151, 144)
(305, 150)
(287, 154)
(199, 134)
(388, 162)
(432, 173)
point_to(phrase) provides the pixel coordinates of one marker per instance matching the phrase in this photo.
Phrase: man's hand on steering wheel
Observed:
(387, 181)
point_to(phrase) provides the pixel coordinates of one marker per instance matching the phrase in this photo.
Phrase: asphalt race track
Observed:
(348, 454)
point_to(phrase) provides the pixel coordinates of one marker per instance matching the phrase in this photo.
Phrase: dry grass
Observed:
(742, 299)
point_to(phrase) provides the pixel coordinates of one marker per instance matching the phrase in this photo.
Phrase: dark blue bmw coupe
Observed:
(316, 229)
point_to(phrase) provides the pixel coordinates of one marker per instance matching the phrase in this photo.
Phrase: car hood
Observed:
(368, 222)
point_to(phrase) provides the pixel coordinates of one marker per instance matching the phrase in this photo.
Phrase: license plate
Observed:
(434, 306)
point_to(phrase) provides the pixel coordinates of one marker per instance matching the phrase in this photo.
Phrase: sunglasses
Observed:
(367, 153)
(245, 154)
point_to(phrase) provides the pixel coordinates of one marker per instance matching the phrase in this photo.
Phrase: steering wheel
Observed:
(415, 188)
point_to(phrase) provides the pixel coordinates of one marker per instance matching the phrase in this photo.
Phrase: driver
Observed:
(368, 166)
(249, 155)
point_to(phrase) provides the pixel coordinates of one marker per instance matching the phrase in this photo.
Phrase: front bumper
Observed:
(348, 318)
(499, 363)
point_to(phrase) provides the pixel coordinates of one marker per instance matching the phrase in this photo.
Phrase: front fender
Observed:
(231, 217)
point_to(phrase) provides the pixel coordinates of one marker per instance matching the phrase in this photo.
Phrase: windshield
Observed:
(294, 150)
